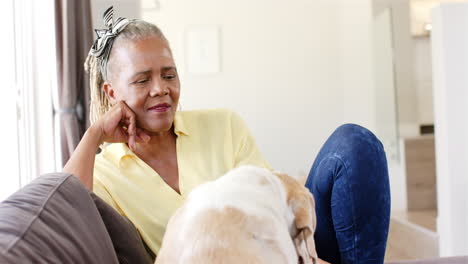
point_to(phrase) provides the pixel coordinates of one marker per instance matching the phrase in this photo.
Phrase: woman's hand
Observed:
(119, 125)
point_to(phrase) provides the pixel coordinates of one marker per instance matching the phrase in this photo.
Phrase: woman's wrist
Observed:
(81, 162)
(94, 133)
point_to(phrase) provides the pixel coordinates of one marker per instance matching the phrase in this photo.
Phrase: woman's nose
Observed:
(159, 89)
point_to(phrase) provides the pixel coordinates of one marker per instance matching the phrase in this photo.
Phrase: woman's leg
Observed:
(349, 181)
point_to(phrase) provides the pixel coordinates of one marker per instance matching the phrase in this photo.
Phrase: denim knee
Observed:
(349, 180)
(356, 137)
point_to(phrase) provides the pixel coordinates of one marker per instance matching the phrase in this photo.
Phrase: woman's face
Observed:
(142, 73)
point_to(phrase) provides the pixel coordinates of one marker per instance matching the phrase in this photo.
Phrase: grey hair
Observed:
(135, 30)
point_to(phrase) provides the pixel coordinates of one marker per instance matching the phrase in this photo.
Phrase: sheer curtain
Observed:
(73, 39)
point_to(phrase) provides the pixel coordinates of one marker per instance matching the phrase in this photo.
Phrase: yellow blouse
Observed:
(209, 143)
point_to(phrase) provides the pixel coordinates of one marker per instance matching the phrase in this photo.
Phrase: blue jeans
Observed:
(349, 181)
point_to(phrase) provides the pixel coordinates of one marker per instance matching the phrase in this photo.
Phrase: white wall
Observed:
(407, 95)
(386, 107)
(423, 79)
(450, 67)
(355, 61)
(294, 70)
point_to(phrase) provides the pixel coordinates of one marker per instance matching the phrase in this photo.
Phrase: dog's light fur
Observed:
(250, 215)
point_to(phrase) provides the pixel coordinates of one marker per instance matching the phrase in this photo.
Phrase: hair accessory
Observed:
(105, 37)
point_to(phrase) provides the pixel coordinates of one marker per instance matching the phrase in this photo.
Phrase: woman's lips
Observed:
(160, 108)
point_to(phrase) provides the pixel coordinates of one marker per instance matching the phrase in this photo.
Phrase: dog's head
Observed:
(302, 205)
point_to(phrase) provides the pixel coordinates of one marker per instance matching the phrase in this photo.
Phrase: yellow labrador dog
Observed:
(248, 216)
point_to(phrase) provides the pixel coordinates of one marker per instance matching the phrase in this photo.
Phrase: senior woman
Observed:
(154, 155)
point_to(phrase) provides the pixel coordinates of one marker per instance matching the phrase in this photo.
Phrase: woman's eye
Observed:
(142, 81)
(169, 77)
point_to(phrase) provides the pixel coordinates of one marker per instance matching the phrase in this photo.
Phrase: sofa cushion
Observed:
(128, 244)
(53, 220)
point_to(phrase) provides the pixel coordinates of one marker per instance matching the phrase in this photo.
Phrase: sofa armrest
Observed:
(53, 220)
(128, 245)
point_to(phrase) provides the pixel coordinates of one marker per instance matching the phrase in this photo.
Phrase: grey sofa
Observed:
(55, 219)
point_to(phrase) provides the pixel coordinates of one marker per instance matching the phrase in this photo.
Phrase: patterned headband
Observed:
(105, 37)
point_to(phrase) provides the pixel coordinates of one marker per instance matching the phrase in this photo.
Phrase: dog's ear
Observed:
(305, 221)
(301, 202)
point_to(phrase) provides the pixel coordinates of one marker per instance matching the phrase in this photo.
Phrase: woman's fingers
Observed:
(142, 135)
(129, 118)
(119, 124)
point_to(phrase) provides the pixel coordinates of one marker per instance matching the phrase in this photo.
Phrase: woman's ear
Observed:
(107, 87)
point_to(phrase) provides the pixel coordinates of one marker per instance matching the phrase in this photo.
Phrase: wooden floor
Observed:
(424, 218)
(413, 233)
(412, 236)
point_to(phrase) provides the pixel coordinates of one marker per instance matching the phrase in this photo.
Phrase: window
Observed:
(28, 62)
